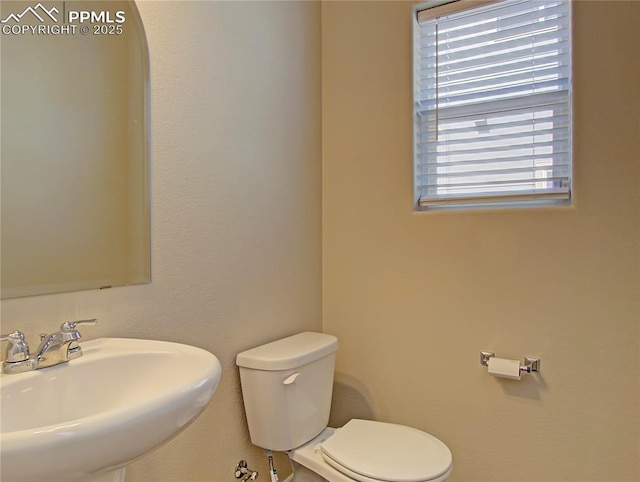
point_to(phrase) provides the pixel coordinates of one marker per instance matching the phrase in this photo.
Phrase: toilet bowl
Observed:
(287, 386)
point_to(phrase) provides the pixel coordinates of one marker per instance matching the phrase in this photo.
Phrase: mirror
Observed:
(74, 146)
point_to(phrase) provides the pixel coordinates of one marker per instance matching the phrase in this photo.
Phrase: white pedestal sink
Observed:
(86, 419)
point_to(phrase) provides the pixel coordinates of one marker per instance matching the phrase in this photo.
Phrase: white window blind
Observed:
(493, 103)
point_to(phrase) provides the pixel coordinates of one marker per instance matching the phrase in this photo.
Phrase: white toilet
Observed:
(287, 386)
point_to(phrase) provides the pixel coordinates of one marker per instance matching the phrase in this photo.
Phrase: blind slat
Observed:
(553, 100)
(522, 24)
(488, 61)
(467, 130)
(496, 38)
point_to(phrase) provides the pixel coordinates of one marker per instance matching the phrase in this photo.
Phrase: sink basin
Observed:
(87, 418)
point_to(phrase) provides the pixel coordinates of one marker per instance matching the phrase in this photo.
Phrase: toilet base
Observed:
(303, 474)
(308, 462)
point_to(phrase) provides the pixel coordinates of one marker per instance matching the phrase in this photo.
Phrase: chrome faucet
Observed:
(54, 349)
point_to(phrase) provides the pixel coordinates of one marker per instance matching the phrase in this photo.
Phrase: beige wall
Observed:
(236, 170)
(414, 297)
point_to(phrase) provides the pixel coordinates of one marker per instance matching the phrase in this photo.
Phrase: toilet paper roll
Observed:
(503, 368)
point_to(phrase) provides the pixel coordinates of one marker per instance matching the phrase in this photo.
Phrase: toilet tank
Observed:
(286, 387)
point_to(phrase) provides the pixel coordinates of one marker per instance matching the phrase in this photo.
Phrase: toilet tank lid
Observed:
(287, 353)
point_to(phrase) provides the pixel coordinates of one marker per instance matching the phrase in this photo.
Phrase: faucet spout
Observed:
(56, 348)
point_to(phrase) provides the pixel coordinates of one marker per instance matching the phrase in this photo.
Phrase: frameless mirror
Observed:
(74, 148)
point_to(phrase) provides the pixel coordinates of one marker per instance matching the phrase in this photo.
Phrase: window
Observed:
(492, 103)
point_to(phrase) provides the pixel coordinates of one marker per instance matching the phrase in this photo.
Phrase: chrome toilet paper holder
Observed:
(531, 364)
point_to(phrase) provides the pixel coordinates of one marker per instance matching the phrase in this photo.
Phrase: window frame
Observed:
(562, 196)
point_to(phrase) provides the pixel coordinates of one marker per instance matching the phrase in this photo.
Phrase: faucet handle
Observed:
(71, 325)
(18, 349)
(69, 332)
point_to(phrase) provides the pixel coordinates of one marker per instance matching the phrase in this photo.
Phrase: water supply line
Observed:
(244, 472)
(273, 473)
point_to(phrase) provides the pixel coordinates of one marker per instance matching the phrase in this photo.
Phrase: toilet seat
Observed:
(370, 451)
